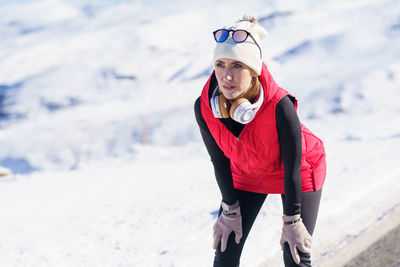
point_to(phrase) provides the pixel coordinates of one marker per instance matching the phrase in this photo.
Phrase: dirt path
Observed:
(379, 246)
(384, 252)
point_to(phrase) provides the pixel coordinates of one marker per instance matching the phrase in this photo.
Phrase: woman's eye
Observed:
(219, 65)
(237, 66)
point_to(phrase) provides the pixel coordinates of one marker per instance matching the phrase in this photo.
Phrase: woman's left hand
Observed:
(295, 233)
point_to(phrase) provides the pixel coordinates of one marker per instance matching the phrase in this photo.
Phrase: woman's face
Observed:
(234, 77)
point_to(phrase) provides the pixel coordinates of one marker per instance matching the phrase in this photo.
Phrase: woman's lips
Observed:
(226, 87)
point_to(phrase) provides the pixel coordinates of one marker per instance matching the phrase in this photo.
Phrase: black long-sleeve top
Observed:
(289, 133)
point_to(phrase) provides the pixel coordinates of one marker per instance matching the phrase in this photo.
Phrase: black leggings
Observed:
(250, 204)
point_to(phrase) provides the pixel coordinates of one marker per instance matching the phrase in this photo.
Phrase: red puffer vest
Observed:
(254, 156)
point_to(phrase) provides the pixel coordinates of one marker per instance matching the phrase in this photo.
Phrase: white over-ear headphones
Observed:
(241, 110)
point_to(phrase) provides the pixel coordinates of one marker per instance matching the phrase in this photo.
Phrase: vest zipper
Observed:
(242, 150)
(247, 163)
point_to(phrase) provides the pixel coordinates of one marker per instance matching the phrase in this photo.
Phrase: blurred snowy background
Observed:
(97, 125)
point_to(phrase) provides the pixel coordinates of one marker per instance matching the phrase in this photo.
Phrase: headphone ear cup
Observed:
(235, 105)
(223, 106)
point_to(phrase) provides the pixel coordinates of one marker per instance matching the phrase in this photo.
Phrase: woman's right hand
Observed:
(229, 221)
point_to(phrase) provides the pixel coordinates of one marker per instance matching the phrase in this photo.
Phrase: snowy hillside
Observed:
(97, 125)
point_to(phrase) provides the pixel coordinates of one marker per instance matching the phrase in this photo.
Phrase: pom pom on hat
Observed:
(246, 52)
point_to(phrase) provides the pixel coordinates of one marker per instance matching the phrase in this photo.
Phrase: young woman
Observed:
(258, 147)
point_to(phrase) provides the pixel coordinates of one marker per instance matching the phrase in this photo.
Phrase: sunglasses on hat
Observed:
(238, 36)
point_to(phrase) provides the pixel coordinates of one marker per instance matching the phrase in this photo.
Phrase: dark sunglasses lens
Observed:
(221, 35)
(239, 36)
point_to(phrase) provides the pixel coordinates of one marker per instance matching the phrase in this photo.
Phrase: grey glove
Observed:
(229, 221)
(295, 233)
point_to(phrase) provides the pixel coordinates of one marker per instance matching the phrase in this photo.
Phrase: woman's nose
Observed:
(228, 74)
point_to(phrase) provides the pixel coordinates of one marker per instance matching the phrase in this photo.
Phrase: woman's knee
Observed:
(231, 256)
(305, 258)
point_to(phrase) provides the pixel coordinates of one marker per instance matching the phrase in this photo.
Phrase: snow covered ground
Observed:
(97, 125)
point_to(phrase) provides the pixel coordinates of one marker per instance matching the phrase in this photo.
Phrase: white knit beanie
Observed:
(246, 52)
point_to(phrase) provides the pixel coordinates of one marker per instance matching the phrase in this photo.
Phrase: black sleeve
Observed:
(289, 132)
(221, 163)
